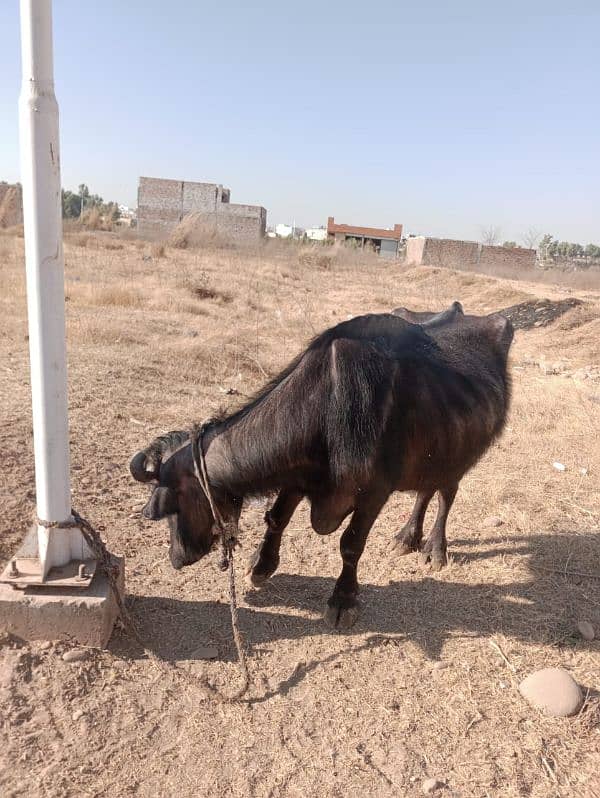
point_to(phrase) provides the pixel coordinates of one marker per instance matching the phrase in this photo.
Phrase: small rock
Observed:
(553, 691)
(430, 786)
(45, 645)
(75, 655)
(440, 665)
(493, 520)
(559, 466)
(586, 630)
(206, 652)
(78, 714)
(583, 472)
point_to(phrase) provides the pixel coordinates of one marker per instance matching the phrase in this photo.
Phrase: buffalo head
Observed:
(176, 495)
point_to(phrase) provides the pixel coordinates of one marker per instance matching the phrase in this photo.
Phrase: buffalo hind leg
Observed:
(410, 536)
(433, 551)
(266, 557)
(342, 608)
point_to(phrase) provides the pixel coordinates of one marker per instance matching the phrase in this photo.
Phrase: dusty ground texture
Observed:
(419, 688)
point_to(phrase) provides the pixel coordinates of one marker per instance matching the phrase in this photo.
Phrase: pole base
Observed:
(24, 572)
(55, 613)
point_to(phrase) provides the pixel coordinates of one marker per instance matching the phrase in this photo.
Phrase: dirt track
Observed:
(417, 689)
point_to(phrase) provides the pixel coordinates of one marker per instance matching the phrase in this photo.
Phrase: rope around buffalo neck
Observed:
(228, 532)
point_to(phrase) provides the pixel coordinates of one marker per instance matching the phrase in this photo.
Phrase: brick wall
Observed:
(162, 204)
(466, 254)
(159, 206)
(242, 222)
(199, 197)
(493, 257)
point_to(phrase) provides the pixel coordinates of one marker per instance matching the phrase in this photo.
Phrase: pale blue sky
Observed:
(445, 116)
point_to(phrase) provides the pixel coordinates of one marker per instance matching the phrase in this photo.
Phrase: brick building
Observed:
(422, 251)
(162, 204)
(385, 242)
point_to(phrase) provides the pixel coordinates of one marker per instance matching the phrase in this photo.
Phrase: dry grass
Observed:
(194, 231)
(156, 343)
(158, 250)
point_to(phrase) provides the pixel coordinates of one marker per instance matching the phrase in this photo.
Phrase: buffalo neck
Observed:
(248, 455)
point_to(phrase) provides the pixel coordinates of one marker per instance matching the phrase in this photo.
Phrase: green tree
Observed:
(510, 244)
(545, 246)
(575, 251)
(74, 204)
(71, 205)
(592, 251)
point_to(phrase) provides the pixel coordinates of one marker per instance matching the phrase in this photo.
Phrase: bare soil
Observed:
(425, 685)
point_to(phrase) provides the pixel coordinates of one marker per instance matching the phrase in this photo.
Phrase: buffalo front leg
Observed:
(342, 608)
(266, 557)
(435, 547)
(410, 536)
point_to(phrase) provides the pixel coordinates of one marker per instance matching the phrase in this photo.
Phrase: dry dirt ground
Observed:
(419, 688)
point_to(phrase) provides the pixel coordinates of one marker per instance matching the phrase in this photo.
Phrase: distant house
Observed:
(316, 233)
(284, 230)
(162, 204)
(384, 241)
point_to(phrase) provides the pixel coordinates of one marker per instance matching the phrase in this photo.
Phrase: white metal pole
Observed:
(40, 176)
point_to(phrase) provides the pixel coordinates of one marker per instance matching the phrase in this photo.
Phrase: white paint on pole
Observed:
(40, 176)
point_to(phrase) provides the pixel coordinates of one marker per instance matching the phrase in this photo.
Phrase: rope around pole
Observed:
(105, 561)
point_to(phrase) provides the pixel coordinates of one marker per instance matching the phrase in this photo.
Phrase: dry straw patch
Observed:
(369, 713)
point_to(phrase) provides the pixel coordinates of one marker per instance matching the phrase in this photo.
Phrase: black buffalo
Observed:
(374, 405)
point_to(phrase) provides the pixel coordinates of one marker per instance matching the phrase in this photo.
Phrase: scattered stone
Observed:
(583, 472)
(553, 691)
(78, 714)
(440, 665)
(559, 466)
(75, 655)
(430, 786)
(206, 652)
(586, 630)
(493, 520)
(45, 645)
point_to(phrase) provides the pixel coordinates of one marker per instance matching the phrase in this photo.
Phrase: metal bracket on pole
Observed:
(22, 572)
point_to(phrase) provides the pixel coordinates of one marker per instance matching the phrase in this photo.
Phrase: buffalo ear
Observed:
(163, 502)
(503, 330)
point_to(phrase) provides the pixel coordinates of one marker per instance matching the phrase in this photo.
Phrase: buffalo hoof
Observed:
(436, 560)
(256, 581)
(341, 618)
(260, 570)
(404, 544)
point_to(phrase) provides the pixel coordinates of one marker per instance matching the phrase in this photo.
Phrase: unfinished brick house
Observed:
(385, 242)
(162, 204)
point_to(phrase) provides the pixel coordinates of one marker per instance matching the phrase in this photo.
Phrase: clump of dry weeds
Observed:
(158, 250)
